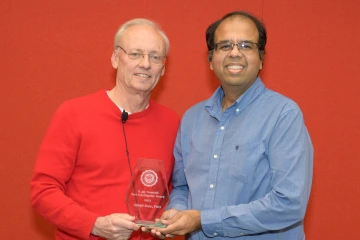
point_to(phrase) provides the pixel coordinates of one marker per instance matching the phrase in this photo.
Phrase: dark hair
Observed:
(210, 32)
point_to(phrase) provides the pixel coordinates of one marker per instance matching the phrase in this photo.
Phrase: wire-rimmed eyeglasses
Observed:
(244, 46)
(153, 58)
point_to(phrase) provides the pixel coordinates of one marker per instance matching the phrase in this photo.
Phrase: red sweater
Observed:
(82, 170)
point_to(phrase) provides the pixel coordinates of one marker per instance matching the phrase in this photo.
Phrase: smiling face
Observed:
(138, 76)
(235, 70)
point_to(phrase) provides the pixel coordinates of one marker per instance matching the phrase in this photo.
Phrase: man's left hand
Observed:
(180, 224)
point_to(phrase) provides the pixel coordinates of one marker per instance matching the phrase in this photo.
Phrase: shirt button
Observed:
(237, 110)
(241, 234)
(215, 156)
(215, 234)
(222, 128)
(211, 185)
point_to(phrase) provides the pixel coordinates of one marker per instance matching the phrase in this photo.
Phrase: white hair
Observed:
(140, 21)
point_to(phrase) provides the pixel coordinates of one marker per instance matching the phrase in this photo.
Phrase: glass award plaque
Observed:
(147, 194)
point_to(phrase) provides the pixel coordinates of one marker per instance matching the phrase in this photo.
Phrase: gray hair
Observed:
(140, 21)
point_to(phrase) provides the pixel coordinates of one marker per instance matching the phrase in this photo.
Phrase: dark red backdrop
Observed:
(55, 50)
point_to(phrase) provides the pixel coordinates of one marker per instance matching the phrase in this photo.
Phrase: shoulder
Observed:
(92, 99)
(164, 112)
(196, 109)
(275, 100)
(82, 104)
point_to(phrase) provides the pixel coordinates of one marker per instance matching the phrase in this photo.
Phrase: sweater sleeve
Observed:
(55, 163)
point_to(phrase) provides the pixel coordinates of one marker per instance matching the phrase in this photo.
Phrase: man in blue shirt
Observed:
(244, 158)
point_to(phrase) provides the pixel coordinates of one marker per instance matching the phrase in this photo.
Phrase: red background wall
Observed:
(55, 50)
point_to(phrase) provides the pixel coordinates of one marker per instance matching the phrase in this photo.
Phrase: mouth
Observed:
(143, 75)
(235, 68)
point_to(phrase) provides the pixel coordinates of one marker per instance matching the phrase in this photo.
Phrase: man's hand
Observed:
(179, 224)
(117, 226)
(165, 216)
(169, 214)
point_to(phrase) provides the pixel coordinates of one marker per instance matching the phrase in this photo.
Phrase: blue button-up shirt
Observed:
(247, 169)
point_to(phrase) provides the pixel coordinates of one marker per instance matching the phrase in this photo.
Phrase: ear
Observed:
(114, 59)
(163, 70)
(211, 66)
(261, 64)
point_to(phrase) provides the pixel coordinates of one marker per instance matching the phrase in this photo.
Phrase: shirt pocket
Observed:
(244, 161)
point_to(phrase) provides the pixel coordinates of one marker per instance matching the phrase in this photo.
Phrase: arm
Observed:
(290, 155)
(54, 167)
(180, 191)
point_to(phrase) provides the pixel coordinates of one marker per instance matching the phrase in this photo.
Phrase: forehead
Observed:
(143, 37)
(237, 28)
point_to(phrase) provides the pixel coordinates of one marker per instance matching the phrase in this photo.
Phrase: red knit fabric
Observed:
(82, 172)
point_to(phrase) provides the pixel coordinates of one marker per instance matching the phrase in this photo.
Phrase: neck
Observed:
(130, 102)
(231, 94)
(228, 100)
(225, 104)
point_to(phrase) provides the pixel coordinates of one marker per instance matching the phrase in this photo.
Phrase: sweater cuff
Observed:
(87, 225)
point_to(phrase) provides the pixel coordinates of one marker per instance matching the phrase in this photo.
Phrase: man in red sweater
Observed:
(83, 170)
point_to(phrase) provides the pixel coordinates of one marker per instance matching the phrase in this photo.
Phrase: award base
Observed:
(150, 224)
(147, 194)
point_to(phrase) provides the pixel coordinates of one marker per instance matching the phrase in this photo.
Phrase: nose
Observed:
(145, 61)
(235, 52)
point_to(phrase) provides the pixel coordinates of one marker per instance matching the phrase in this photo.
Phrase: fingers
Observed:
(180, 224)
(169, 214)
(177, 223)
(124, 216)
(157, 234)
(115, 226)
(170, 235)
(146, 229)
(122, 220)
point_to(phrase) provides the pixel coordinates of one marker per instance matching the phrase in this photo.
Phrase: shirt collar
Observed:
(213, 104)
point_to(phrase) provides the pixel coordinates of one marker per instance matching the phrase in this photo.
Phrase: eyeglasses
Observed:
(153, 58)
(244, 46)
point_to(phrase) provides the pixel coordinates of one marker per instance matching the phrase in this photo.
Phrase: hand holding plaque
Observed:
(148, 194)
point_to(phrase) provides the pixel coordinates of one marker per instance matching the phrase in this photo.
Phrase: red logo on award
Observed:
(149, 178)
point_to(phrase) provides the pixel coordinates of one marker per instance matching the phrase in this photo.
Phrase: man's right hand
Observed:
(117, 226)
(168, 214)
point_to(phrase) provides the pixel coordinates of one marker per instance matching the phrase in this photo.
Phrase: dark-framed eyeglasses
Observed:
(244, 46)
(153, 57)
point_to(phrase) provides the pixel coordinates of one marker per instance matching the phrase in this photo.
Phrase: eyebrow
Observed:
(224, 41)
(228, 41)
(153, 52)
